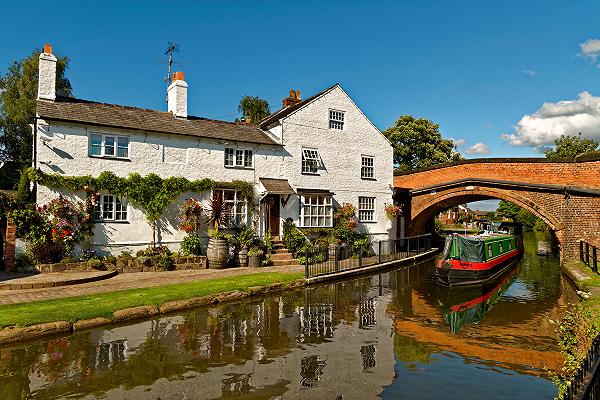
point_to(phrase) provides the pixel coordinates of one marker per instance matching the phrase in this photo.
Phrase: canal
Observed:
(393, 336)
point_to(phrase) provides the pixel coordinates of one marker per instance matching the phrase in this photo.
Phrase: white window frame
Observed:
(311, 161)
(237, 213)
(118, 206)
(115, 147)
(365, 168)
(336, 119)
(366, 209)
(238, 158)
(311, 215)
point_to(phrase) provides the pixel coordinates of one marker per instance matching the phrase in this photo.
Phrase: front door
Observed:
(272, 203)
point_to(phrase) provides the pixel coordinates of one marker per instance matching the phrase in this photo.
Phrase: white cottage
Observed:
(304, 160)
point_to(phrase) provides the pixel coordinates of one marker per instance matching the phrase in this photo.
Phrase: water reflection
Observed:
(373, 337)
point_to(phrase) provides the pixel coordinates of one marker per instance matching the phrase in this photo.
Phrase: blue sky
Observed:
(475, 67)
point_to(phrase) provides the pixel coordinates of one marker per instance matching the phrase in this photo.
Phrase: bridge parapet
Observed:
(584, 173)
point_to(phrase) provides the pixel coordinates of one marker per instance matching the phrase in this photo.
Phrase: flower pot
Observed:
(241, 257)
(254, 261)
(217, 253)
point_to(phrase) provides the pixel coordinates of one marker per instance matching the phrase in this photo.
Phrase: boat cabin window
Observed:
(489, 250)
(509, 245)
(501, 249)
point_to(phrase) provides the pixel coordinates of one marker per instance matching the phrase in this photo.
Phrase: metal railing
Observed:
(585, 384)
(588, 254)
(333, 259)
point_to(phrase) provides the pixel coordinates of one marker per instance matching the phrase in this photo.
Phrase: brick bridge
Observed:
(565, 194)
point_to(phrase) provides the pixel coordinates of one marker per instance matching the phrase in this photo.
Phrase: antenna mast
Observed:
(173, 48)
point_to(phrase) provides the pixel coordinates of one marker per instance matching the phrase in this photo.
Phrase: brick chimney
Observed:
(177, 96)
(47, 74)
(293, 98)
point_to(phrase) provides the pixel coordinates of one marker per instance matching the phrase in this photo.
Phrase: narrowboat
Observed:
(477, 259)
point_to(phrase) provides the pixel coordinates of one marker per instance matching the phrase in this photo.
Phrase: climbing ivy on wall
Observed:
(151, 193)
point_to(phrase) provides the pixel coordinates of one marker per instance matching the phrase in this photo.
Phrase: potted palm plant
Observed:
(217, 252)
(243, 240)
(254, 256)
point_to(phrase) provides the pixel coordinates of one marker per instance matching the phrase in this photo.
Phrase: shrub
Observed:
(255, 251)
(24, 262)
(190, 216)
(87, 254)
(139, 253)
(67, 260)
(191, 245)
(156, 250)
(47, 253)
(293, 238)
(165, 261)
(125, 255)
(94, 263)
(109, 259)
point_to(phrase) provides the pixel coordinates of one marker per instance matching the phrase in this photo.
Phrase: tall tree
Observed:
(572, 146)
(18, 93)
(254, 109)
(418, 144)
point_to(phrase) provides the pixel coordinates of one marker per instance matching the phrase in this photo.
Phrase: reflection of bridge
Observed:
(565, 194)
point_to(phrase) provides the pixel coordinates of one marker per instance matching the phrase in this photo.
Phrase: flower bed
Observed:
(131, 264)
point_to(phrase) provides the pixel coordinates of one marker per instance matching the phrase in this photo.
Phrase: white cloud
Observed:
(590, 49)
(529, 72)
(566, 117)
(478, 148)
(458, 142)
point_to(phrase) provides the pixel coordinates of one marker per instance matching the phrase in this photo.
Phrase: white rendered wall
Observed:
(341, 152)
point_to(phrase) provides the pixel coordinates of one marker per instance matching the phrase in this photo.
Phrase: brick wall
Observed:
(10, 246)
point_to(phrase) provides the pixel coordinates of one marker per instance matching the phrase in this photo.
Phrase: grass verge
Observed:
(77, 308)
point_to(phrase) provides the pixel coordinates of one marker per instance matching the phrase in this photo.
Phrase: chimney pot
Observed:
(293, 98)
(178, 76)
(47, 48)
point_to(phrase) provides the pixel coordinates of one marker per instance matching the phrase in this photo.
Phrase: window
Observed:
(316, 211)
(311, 161)
(336, 120)
(367, 169)
(238, 157)
(366, 209)
(110, 208)
(235, 206)
(101, 145)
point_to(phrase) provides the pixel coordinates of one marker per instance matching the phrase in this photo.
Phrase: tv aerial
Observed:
(171, 49)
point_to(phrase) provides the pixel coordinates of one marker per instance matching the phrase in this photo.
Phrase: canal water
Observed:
(392, 336)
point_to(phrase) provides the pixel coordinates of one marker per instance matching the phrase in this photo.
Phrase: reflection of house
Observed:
(303, 160)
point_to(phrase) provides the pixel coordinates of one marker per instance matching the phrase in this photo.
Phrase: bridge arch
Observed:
(424, 209)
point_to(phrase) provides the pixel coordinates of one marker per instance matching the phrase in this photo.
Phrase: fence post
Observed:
(587, 254)
(379, 252)
(360, 257)
(595, 259)
(581, 250)
(306, 262)
(337, 258)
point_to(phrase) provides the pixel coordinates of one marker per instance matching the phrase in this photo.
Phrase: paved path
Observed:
(132, 281)
(16, 281)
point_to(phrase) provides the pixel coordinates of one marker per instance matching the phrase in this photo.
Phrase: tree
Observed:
(572, 146)
(520, 215)
(418, 144)
(254, 109)
(18, 93)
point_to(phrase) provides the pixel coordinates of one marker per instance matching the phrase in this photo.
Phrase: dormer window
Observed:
(336, 120)
(311, 161)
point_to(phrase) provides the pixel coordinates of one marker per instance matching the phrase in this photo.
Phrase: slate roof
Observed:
(277, 186)
(284, 112)
(112, 115)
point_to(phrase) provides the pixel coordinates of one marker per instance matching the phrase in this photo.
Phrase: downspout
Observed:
(34, 156)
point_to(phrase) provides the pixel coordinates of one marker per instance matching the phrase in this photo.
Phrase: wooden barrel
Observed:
(217, 253)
